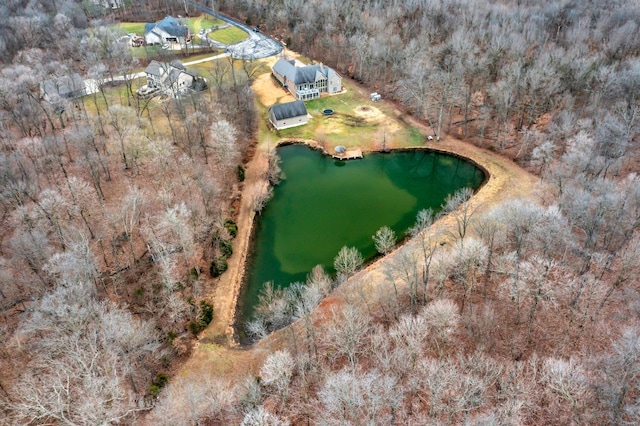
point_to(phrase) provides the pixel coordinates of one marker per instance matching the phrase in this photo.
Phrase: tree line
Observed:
(113, 208)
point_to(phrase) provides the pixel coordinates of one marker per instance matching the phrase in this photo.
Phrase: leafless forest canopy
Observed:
(114, 207)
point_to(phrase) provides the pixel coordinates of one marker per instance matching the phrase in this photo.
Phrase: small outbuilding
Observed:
(291, 114)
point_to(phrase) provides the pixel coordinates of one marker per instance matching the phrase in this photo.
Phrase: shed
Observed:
(290, 114)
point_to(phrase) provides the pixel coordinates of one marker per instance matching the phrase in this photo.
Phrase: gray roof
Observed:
(169, 25)
(66, 86)
(177, 64)
(284, 67)
(159, 69)
(306, 74)
(288, 110)
(168, 74)
(301, 75)
(156, 68)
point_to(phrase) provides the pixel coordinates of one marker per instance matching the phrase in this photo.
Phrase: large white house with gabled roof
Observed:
(169, 30)
(306, 82)
(173, 78)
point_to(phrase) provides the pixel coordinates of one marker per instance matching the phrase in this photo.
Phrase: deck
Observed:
(351, 154)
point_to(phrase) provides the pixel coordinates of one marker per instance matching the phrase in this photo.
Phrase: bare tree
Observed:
(190, 400)
(122, 121)
(470, 259)
(459, 205)
(442, 318)
(428, 242)
(619, 379)
(276, 373)
(347, 332)
(566, 381)
(261, 417)
(351, 398)
(347, 262)
(384, 240)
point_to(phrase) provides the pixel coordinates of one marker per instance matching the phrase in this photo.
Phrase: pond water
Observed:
(324, 204)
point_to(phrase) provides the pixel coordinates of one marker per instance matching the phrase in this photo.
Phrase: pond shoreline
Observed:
(242, 278)
(218, 355)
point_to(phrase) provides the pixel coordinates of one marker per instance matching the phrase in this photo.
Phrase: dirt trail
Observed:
(217, 352)
(225, 294)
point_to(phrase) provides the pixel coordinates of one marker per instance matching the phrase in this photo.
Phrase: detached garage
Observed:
(287, 115)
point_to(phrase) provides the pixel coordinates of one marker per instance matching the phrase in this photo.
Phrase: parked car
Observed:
(165, 46)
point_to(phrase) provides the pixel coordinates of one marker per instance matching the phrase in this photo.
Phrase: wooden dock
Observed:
(351, 154)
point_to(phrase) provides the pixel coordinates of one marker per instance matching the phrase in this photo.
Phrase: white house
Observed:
(169, 30)
(172, 78)
(290, 114)
(306, 82)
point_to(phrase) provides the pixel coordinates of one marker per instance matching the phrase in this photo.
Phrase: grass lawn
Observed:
(228, 35)
(356, 122)
(132, 27)
(201, 22)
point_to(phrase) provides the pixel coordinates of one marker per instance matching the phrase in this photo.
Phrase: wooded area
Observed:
(115, 210)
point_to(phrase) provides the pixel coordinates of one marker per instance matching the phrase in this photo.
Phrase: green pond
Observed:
(324, 204)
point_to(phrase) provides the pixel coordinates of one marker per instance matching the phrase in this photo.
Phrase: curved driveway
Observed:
(257, 46)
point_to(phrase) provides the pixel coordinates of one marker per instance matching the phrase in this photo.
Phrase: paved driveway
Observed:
(257, 46)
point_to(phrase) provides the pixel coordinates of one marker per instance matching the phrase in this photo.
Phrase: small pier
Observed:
(350, 154)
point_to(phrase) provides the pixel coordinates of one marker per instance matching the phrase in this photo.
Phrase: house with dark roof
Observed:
(306, 82)
(169, 30)
(64, 87)
(171, 78)
(291, 114)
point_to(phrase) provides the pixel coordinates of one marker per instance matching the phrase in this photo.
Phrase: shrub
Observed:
(196, 327)
(218, 266)
(231, 227)
(153, 390)
(194, 274)
(206, 312)
(240, 173)
(161, 380)
(226, 249)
